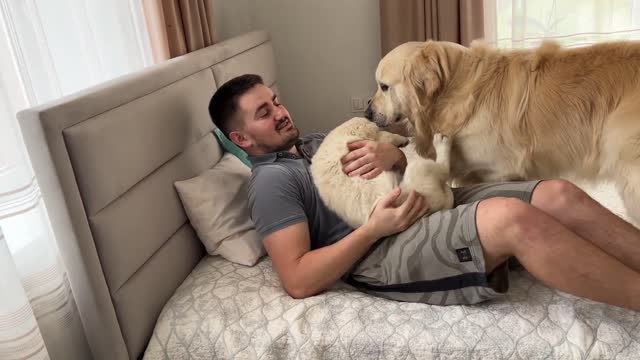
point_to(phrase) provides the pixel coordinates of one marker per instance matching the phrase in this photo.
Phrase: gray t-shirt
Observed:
(282, 193)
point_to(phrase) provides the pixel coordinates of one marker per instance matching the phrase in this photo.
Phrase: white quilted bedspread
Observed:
(230, 311)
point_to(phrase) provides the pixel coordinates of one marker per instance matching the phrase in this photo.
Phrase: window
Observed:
(573, 23)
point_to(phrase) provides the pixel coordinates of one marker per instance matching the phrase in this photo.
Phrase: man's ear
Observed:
(239, 139)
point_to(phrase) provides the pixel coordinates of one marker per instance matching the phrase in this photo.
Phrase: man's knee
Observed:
(503, 221)
(558, 196)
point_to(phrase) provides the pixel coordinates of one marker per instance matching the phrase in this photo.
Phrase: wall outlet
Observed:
(357, 104)
(360, 102)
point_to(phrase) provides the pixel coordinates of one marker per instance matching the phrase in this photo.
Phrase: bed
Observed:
(106, 160)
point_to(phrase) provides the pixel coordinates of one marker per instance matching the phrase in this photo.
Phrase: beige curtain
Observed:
(459, 21)
(177, 27)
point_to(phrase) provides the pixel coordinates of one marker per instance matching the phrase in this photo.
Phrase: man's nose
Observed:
(280, 113)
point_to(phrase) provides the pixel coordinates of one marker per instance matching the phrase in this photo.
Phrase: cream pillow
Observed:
(216, 204)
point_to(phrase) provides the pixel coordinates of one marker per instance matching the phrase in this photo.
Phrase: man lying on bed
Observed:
(458, 256)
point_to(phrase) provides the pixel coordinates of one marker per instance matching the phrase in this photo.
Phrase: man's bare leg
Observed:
(576, 210)
(553, 254)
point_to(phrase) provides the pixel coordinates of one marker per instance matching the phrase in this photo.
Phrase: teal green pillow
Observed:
(232, 148)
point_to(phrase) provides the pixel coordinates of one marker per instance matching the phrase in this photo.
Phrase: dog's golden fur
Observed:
(521, 114)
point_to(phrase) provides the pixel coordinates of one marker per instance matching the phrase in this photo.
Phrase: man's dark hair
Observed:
(223, 105)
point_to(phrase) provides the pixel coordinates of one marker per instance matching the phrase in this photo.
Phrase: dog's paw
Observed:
(403, 142)
(441, 140)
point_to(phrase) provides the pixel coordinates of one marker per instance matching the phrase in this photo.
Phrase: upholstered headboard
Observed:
(106, 159)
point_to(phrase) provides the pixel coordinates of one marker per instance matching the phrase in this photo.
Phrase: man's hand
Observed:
(387, 219)
(368, 159)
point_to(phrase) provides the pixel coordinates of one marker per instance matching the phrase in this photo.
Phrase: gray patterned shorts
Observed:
(439, 259)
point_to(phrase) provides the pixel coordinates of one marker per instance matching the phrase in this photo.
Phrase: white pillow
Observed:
(216, 204)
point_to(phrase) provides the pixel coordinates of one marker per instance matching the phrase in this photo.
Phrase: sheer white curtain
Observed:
(525, 23)
(49, 49)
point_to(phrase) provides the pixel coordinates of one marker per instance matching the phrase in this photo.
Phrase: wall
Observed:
(326, 51)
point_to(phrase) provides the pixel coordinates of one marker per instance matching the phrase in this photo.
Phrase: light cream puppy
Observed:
(354, 198)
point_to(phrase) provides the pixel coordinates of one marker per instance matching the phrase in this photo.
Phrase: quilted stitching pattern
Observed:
(225, 310)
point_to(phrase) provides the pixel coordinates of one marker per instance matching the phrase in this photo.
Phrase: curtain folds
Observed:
(459, 21)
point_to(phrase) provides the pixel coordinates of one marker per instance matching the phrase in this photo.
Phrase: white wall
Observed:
(326, 51)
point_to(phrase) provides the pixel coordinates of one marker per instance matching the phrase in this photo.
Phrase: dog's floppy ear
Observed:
(426, 74)
(424, 139)
(428, 70)
(431, 74)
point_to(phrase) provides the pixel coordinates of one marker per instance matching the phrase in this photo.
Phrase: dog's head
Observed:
(410, 78)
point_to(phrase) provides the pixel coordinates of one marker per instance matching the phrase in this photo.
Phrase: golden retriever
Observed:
(520, 114)
(354, 198)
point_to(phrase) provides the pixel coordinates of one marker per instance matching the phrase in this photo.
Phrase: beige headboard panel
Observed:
(106, 159)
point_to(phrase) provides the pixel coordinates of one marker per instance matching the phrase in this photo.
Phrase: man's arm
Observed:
(305, 273)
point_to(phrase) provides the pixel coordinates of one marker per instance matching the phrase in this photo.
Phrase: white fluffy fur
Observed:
(354, 198)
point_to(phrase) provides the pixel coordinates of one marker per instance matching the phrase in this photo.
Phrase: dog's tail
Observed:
(547, 50)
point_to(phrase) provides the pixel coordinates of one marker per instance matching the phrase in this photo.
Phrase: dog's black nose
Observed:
(368, 113)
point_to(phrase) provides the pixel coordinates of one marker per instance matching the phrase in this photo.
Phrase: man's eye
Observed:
(264, 114)
(384, 87)
(276, 102)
